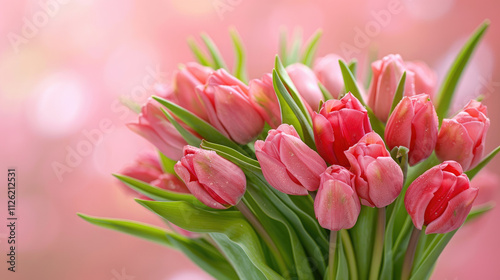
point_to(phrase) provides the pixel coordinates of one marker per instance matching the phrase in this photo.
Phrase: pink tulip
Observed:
(336, 204)
(379, 178)
(265, 101)
(441, 198)
(229, 107)
(413, 124)
(214, 180)
(386, 75)
(155, 127)
(339, 125)
(186, 80)
(463, 137)
(327, 70)
(170, 182)
(146, 167)
(306, 83)
(425, 78)
(287, 163)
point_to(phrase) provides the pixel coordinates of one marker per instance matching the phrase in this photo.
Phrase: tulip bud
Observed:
(441, 198)
(336, 204)
(287, 163)
(214, 180)
(170, 182)
(463, 137)
(327, 70)
(379, 178)
(229, 107)
(264, 99)
(306, 83)
(339, 125)
(154, 126)
(414, 125)
(146, 167)
(425, 78)
(186, 80)
(386, 75)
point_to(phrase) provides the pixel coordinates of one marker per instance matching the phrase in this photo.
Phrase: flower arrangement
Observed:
(300, 174)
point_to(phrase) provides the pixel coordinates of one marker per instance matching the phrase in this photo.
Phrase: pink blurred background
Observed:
(65, 64)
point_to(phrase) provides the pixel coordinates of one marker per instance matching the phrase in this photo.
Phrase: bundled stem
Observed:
(331, 256)
(378, 247)
(410, 254)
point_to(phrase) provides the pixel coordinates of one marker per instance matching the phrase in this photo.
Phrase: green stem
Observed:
(349, 251)
(264, 235)
(410, 254)
(378, 247)
(332, 270)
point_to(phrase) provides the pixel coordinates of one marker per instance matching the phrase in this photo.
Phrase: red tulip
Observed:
(339, 125)
(327, 70)
(265, 100)
(155, 127)
(379, 178)
(229, 107)
(336, 204)
(440, 199)
(306, 83)
(287, 163)
(413, 124)
(214, 180)
(425, 78)
(386, 75)
(463, 137)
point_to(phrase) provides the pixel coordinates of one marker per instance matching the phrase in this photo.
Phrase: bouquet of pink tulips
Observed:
(300, 174)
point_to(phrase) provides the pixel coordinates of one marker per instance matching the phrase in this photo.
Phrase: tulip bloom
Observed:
(287, 163)
(336, 204)
(229, 107)
(214, 180)
(170, 182)
(154, 126)
(413, 124)
(386, 75)
(379, 178)
(146, 167)
(186, 80)
(264, 99)
(339, 125)
(441, 198)
(328, 71)
(425, 78)
(306, 83)
(463, 137)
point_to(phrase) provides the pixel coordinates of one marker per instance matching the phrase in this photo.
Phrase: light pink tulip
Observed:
(154, 126)
(170, 182)
(186, 80)
(146, 167)
(229, 107)
(379, 178)
(214, 180)
(265, 100)
(386, 75)
(339, 125)
(287, 163)
(306, 83)
(414, 125)
(425, 78)
(463, 137)
(441, 198)
(327, 70)
(336, 204)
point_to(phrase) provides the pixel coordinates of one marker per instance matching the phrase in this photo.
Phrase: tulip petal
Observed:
(454, 143)
(424, 134)
(149, 134)
(398, 129)
(323, 136)
(385, 180)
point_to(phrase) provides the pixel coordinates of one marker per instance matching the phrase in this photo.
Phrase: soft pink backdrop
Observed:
(64, 80)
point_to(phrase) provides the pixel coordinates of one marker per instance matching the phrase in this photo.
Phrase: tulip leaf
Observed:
(400, 92)
(326, 94)
(362, 236)
(129, 103)
(199, 251)
(214, 52)
(167, 165)
(230, 223)
(311, 46)
(240, 65)
(352, 66)
(234, 156)
(293, 56)
(372, 56)
(445, 94)
(204, 129)
(283, 53)
(198, 53)
(472, 173)
(190, 138)
(352, 87)
(478, 211)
